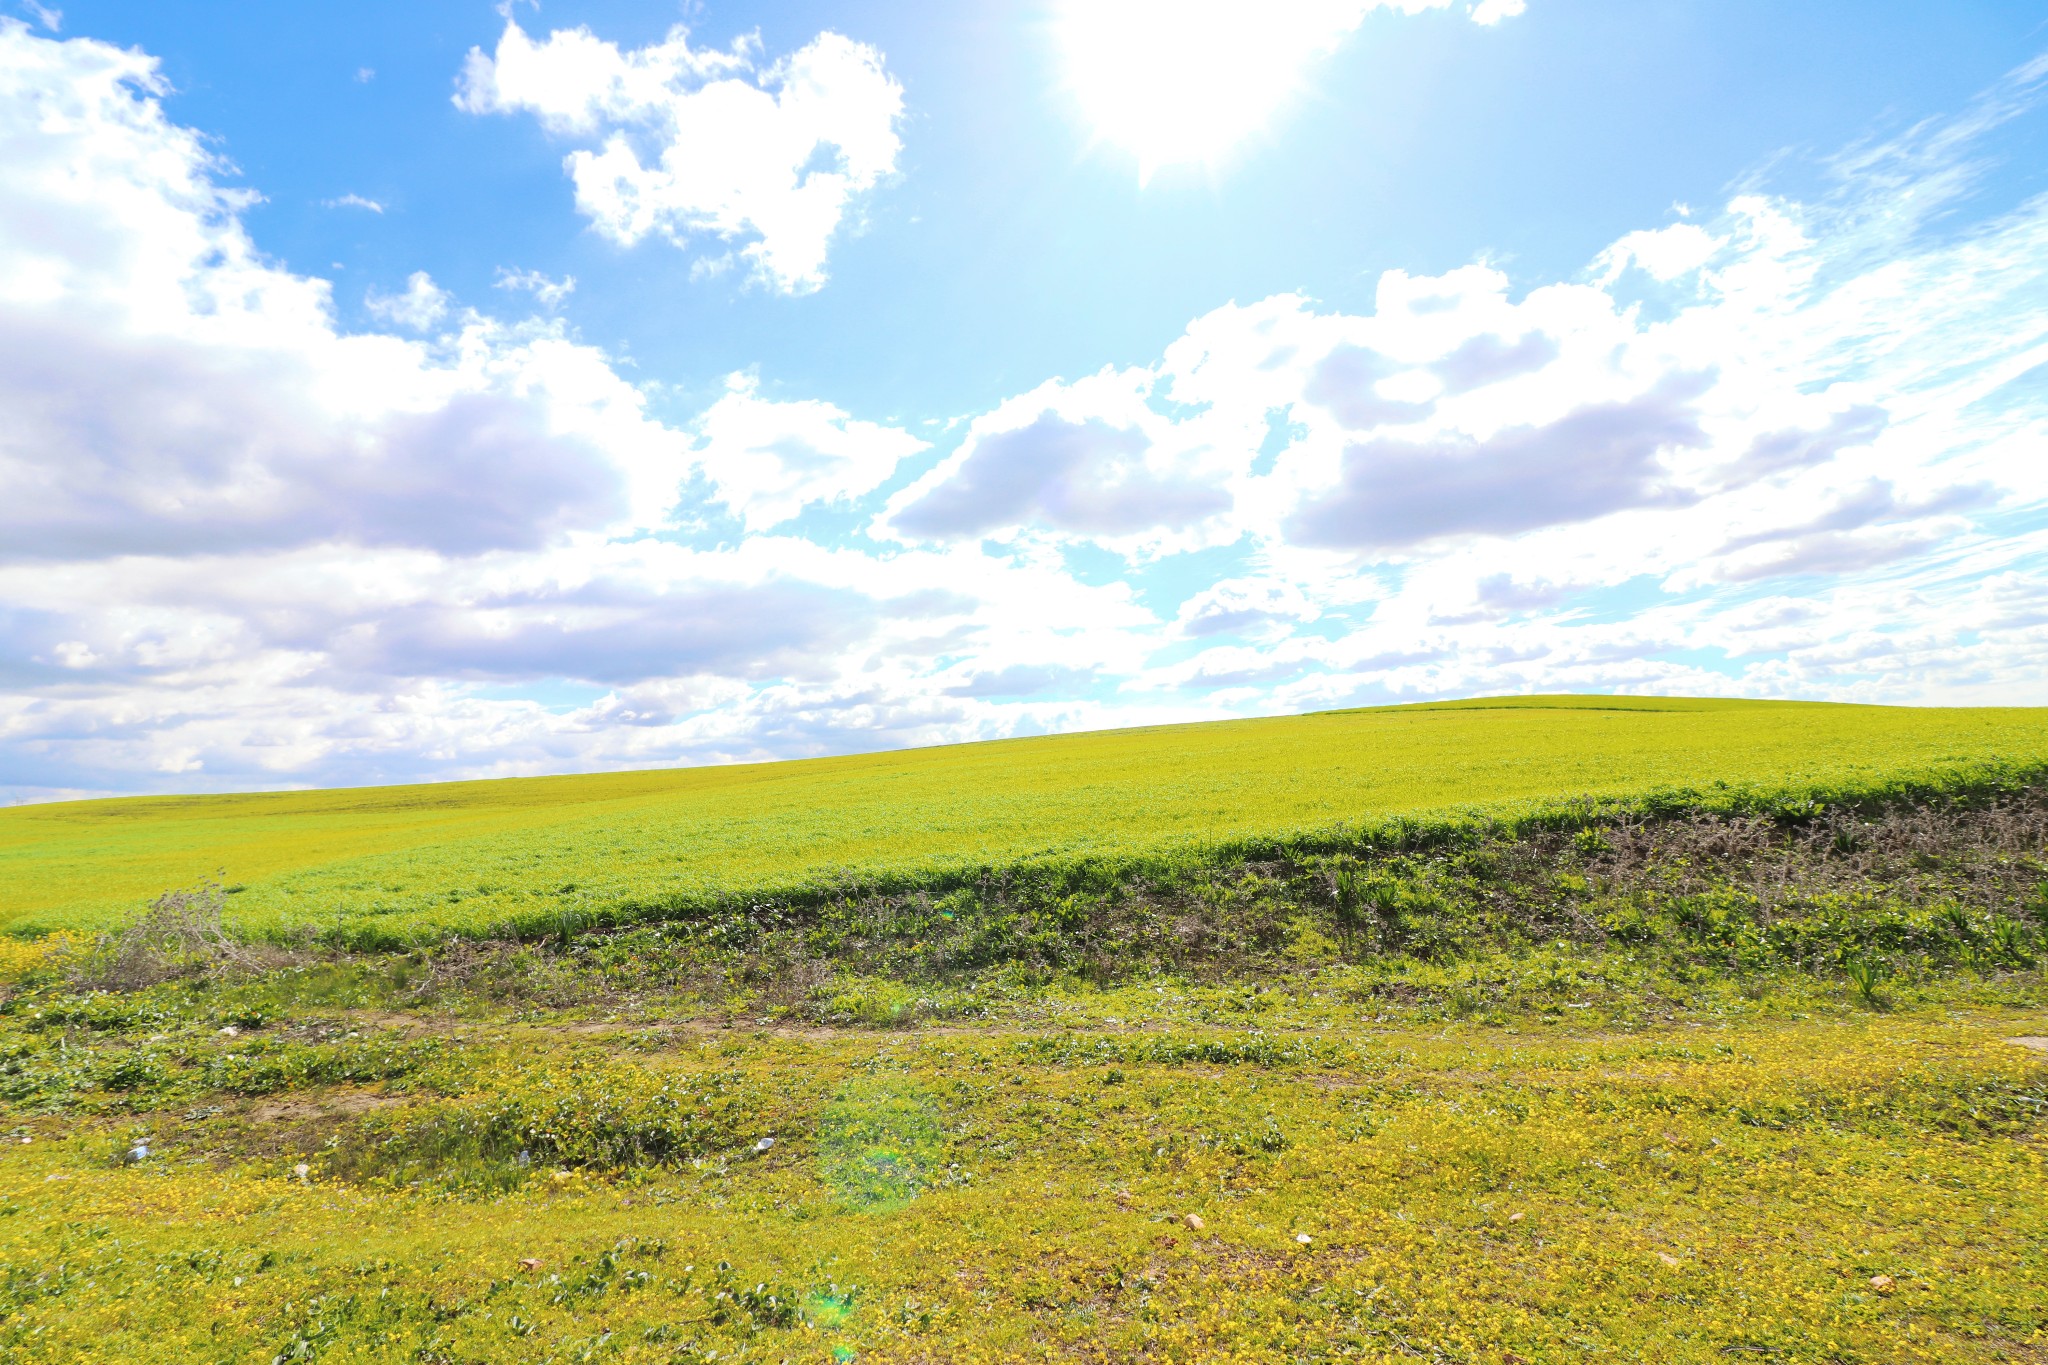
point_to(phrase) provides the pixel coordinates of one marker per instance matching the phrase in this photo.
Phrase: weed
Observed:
(1868, 975)
(2011, 943)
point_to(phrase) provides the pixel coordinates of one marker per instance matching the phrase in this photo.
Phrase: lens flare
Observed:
(1179, 81)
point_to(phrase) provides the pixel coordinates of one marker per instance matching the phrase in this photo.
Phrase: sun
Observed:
(1185, 81)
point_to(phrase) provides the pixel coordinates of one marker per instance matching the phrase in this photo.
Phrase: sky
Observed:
(411, 391)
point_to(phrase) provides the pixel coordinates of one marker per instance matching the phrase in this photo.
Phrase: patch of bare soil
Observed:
(318, 1108)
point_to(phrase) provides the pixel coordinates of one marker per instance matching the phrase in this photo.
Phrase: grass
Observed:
(391, 864)
(1208, 1058)
(1799, 1181)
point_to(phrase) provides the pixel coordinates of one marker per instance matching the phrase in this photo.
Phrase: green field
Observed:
(1552, 1030)
(400, 862)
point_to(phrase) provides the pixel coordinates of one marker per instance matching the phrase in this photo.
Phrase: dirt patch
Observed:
(2036, 1044)
(301, 1109)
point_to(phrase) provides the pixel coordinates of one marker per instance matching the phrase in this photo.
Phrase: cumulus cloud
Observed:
(242, 544)
(1596, 460)
(703, 143)
(1246, 606)
(1493, 11)
(769, 460)
(1085, 476)
(1504, 592)
(1022, 680)
(172, 391)
(1664, 254)
(1794, 448)
(1347, 384)
(614, 632)
(423, 303)
(1489, 359)
(1470, 489)
(239, 543)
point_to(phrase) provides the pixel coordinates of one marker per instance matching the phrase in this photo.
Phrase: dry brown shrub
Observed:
(181, 934)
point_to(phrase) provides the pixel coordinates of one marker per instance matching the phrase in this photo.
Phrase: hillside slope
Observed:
(470, 855)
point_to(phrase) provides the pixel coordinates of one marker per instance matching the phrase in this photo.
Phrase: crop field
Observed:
(394, 863)
(1564, 1030)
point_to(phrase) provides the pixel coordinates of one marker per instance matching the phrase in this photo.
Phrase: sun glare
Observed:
(1178, 81)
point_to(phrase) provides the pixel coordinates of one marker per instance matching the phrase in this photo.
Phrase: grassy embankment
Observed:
(1544, 1060)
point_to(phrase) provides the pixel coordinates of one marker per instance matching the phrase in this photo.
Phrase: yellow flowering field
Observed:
(1727, 1184)
(394, 863)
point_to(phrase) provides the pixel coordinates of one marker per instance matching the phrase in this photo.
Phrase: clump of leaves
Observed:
(1591, 843)
(1868, 975)
(2011, 943)
(1364, 901)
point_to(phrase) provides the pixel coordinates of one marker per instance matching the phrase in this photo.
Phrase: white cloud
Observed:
(1564, 488)
(769, 460)
(701, 143)
(1095, 459)
(1662, 253)
(423, 303)
(169, 390)
(241, 546)
(354, 201)
(1246, 606)
(548, 293)
(1493, 11)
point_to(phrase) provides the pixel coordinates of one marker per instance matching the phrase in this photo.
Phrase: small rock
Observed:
(1883, 1284)
(230, 1032)
(139, 1152)
(303, 1172)
(1303, 1238)
(1668, 1259)
(1194, 1221)
(529, 1263)
(1516, 1217)
(763, 1145)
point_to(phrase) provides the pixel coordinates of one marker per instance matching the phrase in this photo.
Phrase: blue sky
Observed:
(418, 391)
